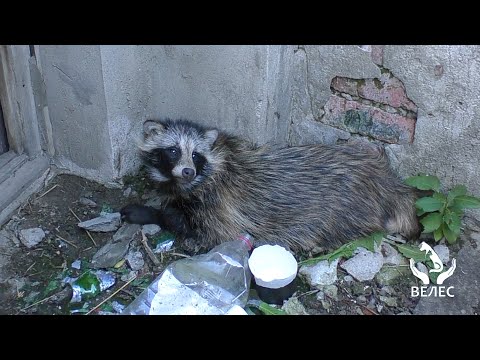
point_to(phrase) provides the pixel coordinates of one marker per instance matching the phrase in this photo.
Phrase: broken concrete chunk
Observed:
(77, 264)
(115, 250)
(391, 274)
(87, 202)
(294, 307)
(389, 300)
(127, 192)
(31, 237)
(129, 276)
(126, 232)
(364, 265)
(443, 253)
(105, 223)
(321, 273)
(331, 291)
(135, 260)
(150, 229)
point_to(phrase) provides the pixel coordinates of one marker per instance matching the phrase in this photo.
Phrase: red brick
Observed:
(384, 126)
(345, 85)
(389, 91)
(386, 90)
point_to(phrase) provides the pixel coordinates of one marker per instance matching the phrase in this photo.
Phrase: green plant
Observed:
(441, 213)
(346, 251)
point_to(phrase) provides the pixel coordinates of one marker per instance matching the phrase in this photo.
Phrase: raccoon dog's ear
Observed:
(211, 136)
(152, 127)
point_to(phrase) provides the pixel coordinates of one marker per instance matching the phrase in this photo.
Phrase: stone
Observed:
(364, 265)
(387, 290)
(135, 260)
(31, 237)
(127, 192)
(129, 276)
(362, 299)
(150, 229)
(443, 253)
(389, 300)
(321, 273)
(105, 223)
(294, 307)
(87, 202)
(113, 251)
(77, 264)
(422, 267)
(331, 291)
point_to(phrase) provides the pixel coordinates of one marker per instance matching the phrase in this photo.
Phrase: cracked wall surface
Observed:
(420, 102)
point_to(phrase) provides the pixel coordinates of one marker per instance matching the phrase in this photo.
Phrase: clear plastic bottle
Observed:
(217, 282)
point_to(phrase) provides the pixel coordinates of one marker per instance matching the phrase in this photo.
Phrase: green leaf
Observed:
(431, 222)
(346, 251)
(449, 234)
(412, 252)
(439, 196)
(453, 221)
(420, 212)
(438, 234)
(466, 202)
(429, 204)
(433, 276)
(52, 285)
(424, 182)
(269, 310)
(265, 308)
(458, 190)
(141, 281)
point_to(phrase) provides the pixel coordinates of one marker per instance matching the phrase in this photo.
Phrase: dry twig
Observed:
(46, 192)
(115, 293)
(149, 251)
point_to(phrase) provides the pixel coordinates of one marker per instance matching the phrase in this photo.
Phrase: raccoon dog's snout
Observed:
(188, 174)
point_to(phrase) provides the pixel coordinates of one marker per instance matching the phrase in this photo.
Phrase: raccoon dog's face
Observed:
(177, 151)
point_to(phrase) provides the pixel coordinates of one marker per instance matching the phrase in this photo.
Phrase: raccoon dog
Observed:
(216, 186)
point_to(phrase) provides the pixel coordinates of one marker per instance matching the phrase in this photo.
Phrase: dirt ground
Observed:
(31, 282)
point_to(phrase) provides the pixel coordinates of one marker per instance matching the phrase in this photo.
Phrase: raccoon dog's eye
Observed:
(172, 150)
(194, 155)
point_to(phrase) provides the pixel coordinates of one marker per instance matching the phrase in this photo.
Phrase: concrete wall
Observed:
(232, 87)
(100, 95)
(76, 101)
(419, 101)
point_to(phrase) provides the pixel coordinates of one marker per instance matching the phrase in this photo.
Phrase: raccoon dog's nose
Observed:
(188, 173)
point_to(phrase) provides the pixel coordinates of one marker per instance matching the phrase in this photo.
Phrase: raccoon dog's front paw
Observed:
(139, 214)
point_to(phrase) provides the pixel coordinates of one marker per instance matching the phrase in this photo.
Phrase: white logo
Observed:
(437, 268)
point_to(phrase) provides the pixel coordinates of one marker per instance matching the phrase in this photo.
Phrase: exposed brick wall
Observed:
(367, 120)
(375, 108)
